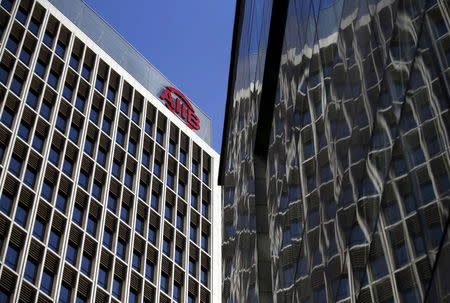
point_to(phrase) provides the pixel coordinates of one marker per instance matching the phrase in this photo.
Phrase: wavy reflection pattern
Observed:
(358, 170)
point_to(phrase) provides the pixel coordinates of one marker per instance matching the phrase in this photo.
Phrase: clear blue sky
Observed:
(188, 41)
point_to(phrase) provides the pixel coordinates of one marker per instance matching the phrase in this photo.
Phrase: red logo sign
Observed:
(180, 105)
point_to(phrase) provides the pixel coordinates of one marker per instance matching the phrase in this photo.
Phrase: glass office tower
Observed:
(335, 156)
(106, 193)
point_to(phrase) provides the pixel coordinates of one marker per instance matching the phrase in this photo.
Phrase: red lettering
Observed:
(181, 106)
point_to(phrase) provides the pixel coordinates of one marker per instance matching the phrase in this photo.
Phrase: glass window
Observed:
(170, 179)
(379, 267)
(40, 68)
(120, 137)
(106, 125)
(15, 165)
(21, 15)
(124, 212)
(142, 191)
(53, 79)
(47, 191)
(145, 159)
(205, 177)
(342, 289)
(204, 209)
(47, 282)
(164, 283)
(194, 200)
(61, 202)
(183, 156)
(176, 292)
(157, 168)
(77, 215)
(16, 85)
(194, 167)
(103, 277)
(139, 227)
(101, 156)
(116, 169)
(148, 127)
(107, 239)
(117, 288)
(149, 271)
(100, 84)
(191, 299)
(54, 155)
(39, 229)
(159, 136)
(38, 142)
(92, 226)
(64, 294)
(61, 123)
(166, 247)
(74, 133)
(48, 39)
(12, 44)
(180, 222)
(25, 55)
(112, 203)
(120, 249)
(111, 94)
(152, 234)
(86, 72)
(154, 202)
(7, 4)
(32, 98)
(67, 91)
(4, 73)
(54, 240)
(133, 297)
(193, 233)
(132, 147)
(12, 256)
(83, 180)
(129, 179)
(172, 147)
(135, 116)
(168, 212)
(400, 255)
(34, 26)
(204, 276)
(68, 167)
(31, 271)
(178, 256)
(419, 245)
(136, 262)
(71, 254)
(124, 106)
(192, 270)
(97, 190)
(86, 263)
(181, 189)
(60, 49)
(46, 110)
(204, 241)
(94, 115)
(7, 117)
(74, 61)
(80, 103)
(21, 215)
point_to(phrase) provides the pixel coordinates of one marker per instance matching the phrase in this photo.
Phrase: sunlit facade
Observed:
(106, 195)
(335, 156)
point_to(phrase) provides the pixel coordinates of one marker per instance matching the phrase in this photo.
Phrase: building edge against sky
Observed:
(39, 60)
(335, 152)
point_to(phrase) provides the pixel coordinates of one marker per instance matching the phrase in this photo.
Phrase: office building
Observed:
(107, 189)
(335, 155)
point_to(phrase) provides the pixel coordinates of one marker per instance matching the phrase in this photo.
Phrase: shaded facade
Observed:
(106, 194)
(335, 155)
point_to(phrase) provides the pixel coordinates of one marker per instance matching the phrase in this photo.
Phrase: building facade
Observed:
(107, 178)
(335, 155)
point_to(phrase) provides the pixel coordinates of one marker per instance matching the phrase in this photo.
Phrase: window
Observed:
(133, 297)
(136, 262)
(148, 127)
(149, 270)
(94, 115)
(103, 277)
(60, 49)
(112, 203)
(204, 276)
(7, 117)
(178, 256)
(7, 4)
(132, 147)
(124, 212)
(176, 292)
(172, 147)
(191, 299)
(53, 79)
(193, 233)
(195, 167)
(124, 106)
(64, 294)
(80, 103)
(101, 156)
(194, 200)
(204, 241)
(54, 240)
(4, 73)
(170, 179)
(129, 179)
(12, 44)
(116, 169)
(83, 180)
(204, 209)
(379, 267)
(166, 246)
(48, 39)
(135, 116)
(86, 263)
(180, 222)
(192, 266)
(139, 227)
(68, 167)
(106, 125)
(54, 155)
(86, 72)
(120, 249)
(61, 123)
(77, 216)
(21, 215)
(120, 137)
(61, 202)
(38, 142)
(24, 131)
(400, 255)
(74, 61)
(142, 191)
(157, 168)
(47, 282)
(182, 156)
(205, 177)
(30, 271)
(40, 68)
(32, 98)
(154, 202)
(15, 165)
(168, 212)
(97, 190)
(165, 283)
(152, 234)
(25, 55)
(419, 245)
(145, 159)
(21, 15)
(74, 133)
(71, 254)
(92, 226)
(47, 191)
(39, 229)
(181, 189)
(12, 256)
(159, 136)
(16, 85)
(99, 84)
(107, 239)
(117, 288)
(111, 94)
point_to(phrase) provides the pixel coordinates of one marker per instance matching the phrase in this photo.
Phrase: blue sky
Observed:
(188, 41)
